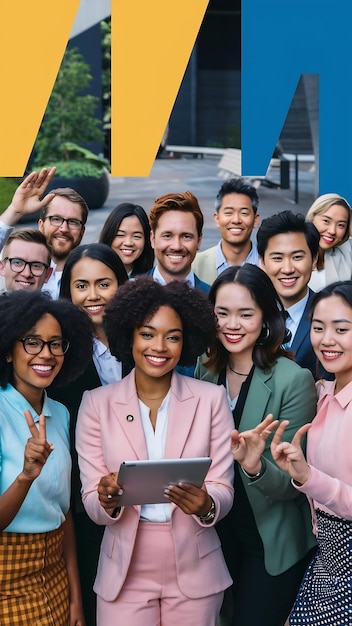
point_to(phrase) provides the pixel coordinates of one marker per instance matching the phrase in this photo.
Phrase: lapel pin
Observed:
(130, 418)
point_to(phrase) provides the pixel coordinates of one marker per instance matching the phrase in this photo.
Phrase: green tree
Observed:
(69, 116)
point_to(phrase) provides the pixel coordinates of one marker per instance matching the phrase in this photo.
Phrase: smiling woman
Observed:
(331, 215)
(127, 231)
(326, 476)
(38, 349)
(266, 536)
(159, 563)
(92, 275)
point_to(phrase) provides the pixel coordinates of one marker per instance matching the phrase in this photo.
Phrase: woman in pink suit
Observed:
(325, 477)
(159, 564)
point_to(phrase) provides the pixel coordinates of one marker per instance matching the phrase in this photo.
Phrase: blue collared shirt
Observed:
(109, 369)
(48, 499)
(5, 230)
(222, 264)
(160, 279)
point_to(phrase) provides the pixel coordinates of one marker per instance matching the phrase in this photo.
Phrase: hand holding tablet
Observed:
(144, 482)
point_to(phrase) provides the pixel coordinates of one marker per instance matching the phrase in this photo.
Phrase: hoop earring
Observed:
(267, 332)
(262, 337)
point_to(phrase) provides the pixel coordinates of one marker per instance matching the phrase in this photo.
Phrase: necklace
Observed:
(142, 395)
(238, 373)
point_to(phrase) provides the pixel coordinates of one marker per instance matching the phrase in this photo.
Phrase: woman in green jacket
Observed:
(267, 537)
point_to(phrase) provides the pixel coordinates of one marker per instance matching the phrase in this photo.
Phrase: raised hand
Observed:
(27, 197)
(289, 456)
(37, 448)
(247, 447)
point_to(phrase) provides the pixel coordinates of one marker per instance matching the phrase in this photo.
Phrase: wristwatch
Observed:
(209, 517)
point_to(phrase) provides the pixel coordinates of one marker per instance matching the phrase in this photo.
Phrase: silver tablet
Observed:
(143, 482)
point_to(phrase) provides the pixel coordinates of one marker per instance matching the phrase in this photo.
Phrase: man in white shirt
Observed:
(63, 214)
(235, 216)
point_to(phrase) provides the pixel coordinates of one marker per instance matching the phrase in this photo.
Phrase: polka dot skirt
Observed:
(325, 596)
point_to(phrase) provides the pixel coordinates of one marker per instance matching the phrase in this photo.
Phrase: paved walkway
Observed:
(201, 177)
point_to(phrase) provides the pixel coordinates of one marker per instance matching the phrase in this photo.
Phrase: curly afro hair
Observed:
(137, 301)
(20, 311)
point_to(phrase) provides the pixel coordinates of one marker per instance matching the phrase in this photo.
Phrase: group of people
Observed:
(141, 347)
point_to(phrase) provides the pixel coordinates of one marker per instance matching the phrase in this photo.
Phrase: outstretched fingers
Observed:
(266, 427)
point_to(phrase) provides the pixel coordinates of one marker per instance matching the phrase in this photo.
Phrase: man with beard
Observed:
(62, 219)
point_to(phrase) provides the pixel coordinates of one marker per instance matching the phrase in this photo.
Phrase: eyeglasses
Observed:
(57, 221)
(33, 345)
(37, 268)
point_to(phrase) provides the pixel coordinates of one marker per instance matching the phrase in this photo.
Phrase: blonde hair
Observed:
(325, 202)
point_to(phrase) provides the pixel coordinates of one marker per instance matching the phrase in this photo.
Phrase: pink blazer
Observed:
(200, 423)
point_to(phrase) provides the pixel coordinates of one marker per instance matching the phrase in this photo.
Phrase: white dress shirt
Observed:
(155, 440)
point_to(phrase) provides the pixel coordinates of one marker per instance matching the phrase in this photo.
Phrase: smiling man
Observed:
(26, 260)
(235, 216)
(62, 220)
(288, 248)
(176, 222)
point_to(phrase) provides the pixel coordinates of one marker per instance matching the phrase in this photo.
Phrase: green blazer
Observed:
(282, 516)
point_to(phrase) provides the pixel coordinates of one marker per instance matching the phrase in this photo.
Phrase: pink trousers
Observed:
(150, 595)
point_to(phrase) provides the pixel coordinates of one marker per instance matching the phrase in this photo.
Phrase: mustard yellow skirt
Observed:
(33, 580)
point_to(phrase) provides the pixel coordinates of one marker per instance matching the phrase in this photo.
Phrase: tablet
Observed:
(143, 482)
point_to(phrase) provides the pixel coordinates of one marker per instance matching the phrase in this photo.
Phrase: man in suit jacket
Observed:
(176, 222)
(288, 249)
(236, 215)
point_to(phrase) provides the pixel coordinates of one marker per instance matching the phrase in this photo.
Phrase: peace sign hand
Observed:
(37, 448)
(289, 456)
(248, 446)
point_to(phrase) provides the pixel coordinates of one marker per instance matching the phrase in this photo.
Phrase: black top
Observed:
(240, 522)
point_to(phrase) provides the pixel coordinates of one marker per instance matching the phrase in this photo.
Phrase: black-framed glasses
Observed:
(34, 345)
(57, 221)
(37, 268)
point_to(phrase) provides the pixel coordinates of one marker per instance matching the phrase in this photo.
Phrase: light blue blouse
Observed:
(48, 498)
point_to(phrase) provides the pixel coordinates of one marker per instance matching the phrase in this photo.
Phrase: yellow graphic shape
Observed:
(152, 41)
(33, 38)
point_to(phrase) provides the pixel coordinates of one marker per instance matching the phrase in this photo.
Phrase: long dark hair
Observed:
(112, 224)
(268, 346)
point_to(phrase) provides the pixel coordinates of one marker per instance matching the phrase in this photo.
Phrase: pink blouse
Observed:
(329, 452)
